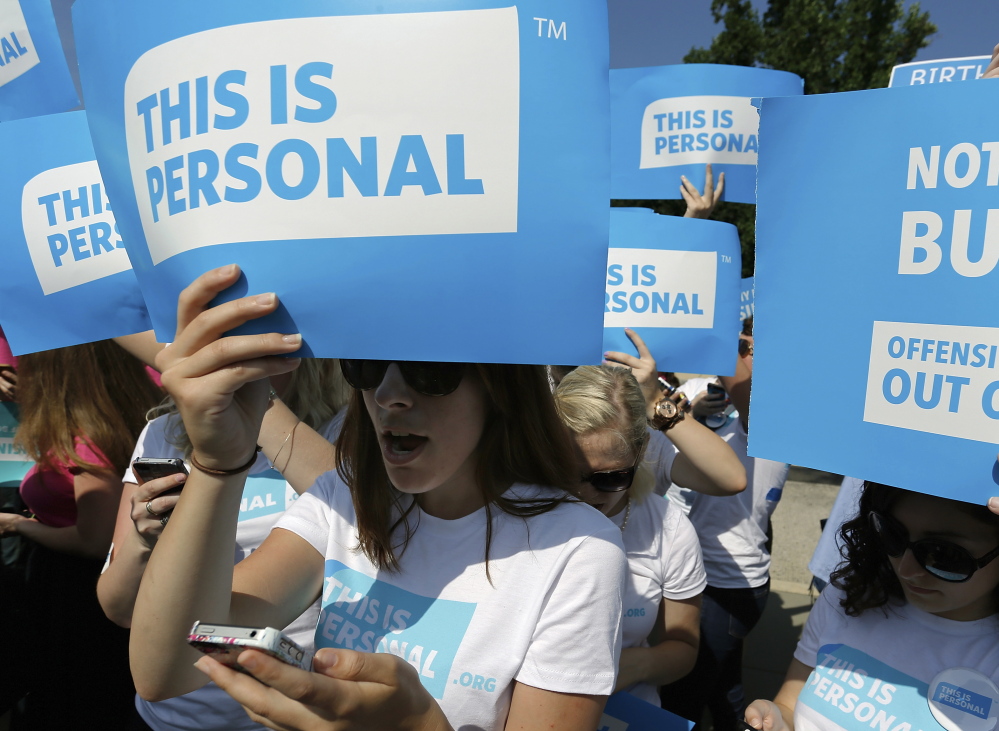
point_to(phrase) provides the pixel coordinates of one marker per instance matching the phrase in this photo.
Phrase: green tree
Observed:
(834, 45)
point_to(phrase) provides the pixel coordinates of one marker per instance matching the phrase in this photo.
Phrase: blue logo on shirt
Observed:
(263, 494)
(362, 613)
(963, 699)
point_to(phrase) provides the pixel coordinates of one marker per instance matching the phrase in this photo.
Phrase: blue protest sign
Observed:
(747, 298)
(415, 179)
(625, 712)
(668, 121)
(34, 75)
(942, 70)
(878, 312)
(14, 463)
(674, 281)
(66, 278)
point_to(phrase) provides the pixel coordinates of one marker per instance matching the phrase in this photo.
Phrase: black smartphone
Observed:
(715, 390)
(150, 468)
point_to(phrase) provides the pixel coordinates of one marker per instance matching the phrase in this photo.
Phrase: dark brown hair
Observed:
(95, 391)
(523, 441)
(866, 576)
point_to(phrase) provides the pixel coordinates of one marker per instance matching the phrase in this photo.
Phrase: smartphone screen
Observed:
(150, 468)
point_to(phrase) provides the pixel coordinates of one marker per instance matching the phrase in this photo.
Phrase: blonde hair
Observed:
(608, 398)
(316, 392)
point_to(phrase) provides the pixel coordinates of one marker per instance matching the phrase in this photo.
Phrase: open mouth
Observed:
(400, 447)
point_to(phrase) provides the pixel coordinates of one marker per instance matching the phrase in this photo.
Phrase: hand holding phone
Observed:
(159, 484)
(225, 642)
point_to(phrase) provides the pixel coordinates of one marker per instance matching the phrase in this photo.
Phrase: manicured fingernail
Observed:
(994, 503)
(228, 270)
(265, 299)
(294, 339)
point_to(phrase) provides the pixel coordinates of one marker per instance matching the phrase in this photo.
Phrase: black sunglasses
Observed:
(428, 378)
(613, 481)
(945, 560)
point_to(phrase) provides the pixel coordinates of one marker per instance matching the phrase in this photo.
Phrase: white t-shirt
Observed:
(876, 672)
(664, 560)
(551, 618)
(733, 528)
(827, 556)
(266, 495)
(659, 458)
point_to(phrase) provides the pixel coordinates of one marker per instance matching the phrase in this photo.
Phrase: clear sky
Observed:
(658, 32)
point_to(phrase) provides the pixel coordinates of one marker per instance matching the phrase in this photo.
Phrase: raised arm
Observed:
(705, 463)
(220, 388)
(295, 449)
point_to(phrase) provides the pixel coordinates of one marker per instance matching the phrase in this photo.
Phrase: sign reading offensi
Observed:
(916, 366)
(327, 160)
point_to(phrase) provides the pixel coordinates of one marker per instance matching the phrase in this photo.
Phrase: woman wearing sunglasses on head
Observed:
(906, 631)
(456, 592)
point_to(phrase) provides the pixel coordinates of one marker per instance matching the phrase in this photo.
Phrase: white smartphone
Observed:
(224, 642)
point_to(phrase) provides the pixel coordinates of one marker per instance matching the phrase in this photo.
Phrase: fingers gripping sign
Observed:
(220, 383)
(642, 367)
(347, 690)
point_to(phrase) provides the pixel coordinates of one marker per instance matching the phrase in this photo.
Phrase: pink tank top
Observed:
(50, 494)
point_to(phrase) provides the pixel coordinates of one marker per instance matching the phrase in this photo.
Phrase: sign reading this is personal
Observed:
(34, 75)
(405, 175)
(939, 71)
(674, 281)
(67, 278)
(668, 121)
(884, 317)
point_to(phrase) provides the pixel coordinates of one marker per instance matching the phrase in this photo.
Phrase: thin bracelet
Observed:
(281, 448)
(224, 473)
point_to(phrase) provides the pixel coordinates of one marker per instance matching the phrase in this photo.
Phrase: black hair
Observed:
(866, 576)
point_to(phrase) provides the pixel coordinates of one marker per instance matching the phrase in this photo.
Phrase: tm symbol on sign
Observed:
(554, 31)
(726, 259)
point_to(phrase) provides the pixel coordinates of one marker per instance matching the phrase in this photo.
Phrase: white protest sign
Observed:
(356, 170)
(682, 130)
(660, 288)
(69, 228)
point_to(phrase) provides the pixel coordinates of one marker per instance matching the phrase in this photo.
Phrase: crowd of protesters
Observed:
(464, 546)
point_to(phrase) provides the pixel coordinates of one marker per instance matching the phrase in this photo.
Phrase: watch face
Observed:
(666, 409)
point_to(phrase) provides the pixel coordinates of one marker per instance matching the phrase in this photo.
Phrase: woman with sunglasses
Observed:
(455, 592)
(906, 631)
(606, 411)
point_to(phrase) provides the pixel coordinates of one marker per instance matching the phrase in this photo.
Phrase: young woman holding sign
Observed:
(606, 411)
(313, 396)
(906, 632)
(431, 540)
